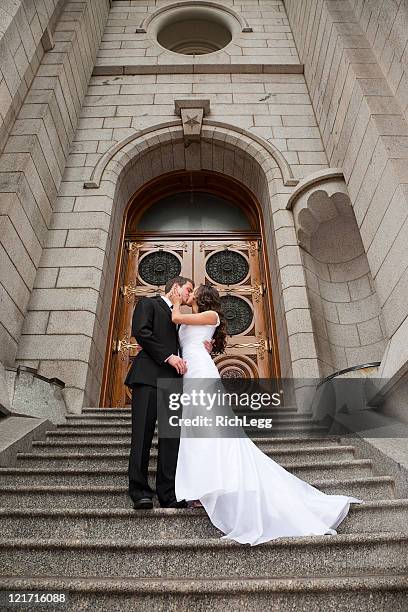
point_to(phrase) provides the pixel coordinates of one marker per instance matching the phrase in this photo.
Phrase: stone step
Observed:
(375, 593)
(127, 410)
(91, 460)
(115, 427)
(315, 454)
(210, 558)
(108, 436)
(281, 422)
(166, 523)
(126, 414)
(75, 496)
(72, 473)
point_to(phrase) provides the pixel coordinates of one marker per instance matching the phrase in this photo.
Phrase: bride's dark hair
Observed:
(208, 298)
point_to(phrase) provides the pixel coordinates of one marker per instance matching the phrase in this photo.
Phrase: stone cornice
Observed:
(122, 69)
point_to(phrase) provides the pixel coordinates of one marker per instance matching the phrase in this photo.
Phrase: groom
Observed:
(156, 333)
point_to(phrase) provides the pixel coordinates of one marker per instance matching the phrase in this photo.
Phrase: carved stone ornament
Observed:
(192, 113)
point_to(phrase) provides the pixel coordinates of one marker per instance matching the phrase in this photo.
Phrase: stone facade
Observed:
(308, 108)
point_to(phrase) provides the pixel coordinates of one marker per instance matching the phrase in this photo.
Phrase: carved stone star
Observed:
(192, 121)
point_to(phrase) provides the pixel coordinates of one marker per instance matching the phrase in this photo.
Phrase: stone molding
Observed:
(197, 68)
(266, 149)
(314, 180)
(245, 27)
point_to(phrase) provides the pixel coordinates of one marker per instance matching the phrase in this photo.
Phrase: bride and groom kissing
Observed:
(246, 495)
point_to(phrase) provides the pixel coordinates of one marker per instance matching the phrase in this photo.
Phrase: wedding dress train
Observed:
(246, 494)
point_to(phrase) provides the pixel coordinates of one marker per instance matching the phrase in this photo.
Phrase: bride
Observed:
(246, 494)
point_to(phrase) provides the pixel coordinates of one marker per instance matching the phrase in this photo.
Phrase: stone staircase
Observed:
(67, 524)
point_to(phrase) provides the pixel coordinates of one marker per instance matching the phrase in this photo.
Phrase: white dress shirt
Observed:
(170, 305)
(168, 302)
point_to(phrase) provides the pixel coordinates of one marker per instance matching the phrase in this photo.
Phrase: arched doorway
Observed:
(206, 226)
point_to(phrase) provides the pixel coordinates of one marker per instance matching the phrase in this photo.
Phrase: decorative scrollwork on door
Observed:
(158, 267)
(238, 313)
(227, 267)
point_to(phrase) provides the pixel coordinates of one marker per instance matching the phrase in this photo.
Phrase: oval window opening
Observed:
(194, 36)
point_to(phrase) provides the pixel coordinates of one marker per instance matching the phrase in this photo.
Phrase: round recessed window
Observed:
(194, 36)
(193, 29)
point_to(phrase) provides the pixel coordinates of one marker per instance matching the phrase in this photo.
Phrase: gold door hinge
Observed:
(257, 290)
(128, 291)
(148, 247)
(252, 246)
(123, 346)
(263, 345)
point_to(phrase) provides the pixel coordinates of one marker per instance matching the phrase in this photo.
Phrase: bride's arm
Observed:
(209, 317)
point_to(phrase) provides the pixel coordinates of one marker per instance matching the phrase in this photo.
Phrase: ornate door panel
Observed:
(234, 268)
(148, 265)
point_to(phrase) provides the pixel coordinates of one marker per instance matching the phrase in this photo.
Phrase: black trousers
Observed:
(144, 417)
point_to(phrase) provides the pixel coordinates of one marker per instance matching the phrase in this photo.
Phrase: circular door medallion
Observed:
(227, 267)
(238, 314)
(234, 371)
(158, 267)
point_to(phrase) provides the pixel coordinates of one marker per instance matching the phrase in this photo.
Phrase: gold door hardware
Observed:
(253, 246)
(124, 346)
(129, 290)
(133, 247)
(257, 289)
(264, 345)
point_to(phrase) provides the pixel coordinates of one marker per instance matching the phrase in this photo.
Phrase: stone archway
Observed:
(123, 170)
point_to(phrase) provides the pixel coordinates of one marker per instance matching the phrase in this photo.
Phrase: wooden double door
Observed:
(234, 265)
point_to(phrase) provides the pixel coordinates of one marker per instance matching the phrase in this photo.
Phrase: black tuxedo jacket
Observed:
(157, 335)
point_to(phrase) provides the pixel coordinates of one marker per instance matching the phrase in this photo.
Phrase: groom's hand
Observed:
(178, 364)
(209, 344)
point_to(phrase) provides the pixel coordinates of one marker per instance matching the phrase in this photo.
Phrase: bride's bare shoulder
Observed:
(215, 316)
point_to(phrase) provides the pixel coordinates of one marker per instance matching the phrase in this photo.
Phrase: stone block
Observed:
(11, 320)
(71, 372)
(295, 297)
(93, 204)
(348, 271)
(46, 278)
(343, 335)
(298, 320)
(334, 292)
(395, 307)
(365, 354)
(72, 257)
(390, 226)
(360, 288)
(292, 275)
(56, 238)
(357, 312)
(81, 220)
(71, 322)
(35, 322)
(302, 346)
(370, 331)
(63, 347)
(64, 299)
(80, 277)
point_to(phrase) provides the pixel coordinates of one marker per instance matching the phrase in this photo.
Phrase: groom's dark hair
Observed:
(177, 280)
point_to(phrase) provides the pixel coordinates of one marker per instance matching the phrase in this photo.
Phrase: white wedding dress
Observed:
(246, 494)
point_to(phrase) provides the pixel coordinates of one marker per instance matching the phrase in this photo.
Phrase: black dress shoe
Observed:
(177, 504)
(145, 503)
